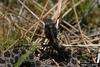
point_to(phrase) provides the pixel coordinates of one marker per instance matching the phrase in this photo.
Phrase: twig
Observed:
(31, 12)
(11, 45)
(69, 30)
(70, 25)
(21, 10)
(58, 11)
(55, 63)
(81, 45)
(44, 8)
(78, 3)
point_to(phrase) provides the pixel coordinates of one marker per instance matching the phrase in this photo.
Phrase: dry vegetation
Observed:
(21, 23)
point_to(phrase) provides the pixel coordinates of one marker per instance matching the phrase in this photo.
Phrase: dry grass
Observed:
(21, 22)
